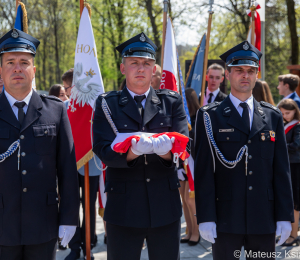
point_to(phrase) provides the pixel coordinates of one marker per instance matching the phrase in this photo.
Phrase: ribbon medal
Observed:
(272, 135)
(263, 138)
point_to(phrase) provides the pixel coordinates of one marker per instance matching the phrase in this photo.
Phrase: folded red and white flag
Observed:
(122, 142)
(290, 125)
(102, 195)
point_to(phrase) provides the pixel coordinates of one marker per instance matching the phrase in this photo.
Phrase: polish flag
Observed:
(169, 77)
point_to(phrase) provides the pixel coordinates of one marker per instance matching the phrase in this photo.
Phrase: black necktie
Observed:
(138, 100)
(210, 98)
(245, 114)
(21, 113)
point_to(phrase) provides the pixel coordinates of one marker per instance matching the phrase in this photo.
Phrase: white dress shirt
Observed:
(12, 102)
(146, 94)
(236, 102)
(215, 93)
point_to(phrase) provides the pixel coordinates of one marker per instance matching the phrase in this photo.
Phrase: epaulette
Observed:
(51, 97)
(167, 92)
(210, 106)
(110, 94)
(266, 104)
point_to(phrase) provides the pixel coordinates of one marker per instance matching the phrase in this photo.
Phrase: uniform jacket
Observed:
(143, 193)
(293, 144)
(238, 203)
(29, 210)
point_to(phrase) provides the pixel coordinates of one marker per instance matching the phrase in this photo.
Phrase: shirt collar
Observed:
(236, 102)
(134, 94)
(215, 93)
(288, 96)
(12, 100)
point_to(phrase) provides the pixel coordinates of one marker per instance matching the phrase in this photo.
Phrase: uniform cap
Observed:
(18, 41)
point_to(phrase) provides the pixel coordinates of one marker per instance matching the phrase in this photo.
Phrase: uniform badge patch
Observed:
(142, 38)
(246, 46)
(14, 34)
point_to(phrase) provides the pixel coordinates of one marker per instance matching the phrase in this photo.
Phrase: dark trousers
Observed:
(126, 242)
(45, 251)
(228, 246)
(78, 239)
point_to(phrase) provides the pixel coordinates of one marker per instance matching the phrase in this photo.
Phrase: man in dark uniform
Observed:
(242, 203)
(143, 199)
(42, 155)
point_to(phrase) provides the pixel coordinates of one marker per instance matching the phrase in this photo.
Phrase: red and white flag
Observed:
(87, 86)
(101, 194)
(289, 126)
(169, 77)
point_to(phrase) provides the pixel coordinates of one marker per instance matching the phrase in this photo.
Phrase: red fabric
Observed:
(80, 121)
(290, 128)
(179, 145)
(168, 81)
(190, 178)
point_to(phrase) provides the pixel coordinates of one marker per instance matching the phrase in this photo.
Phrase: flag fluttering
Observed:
(169, 77)
(86, 87)
(195, 74)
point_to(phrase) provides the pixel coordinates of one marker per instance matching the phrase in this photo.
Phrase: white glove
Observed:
(66, 233)
(180, 173)
(143, 146)
(162, 144)
(208, 231)
(283, 229)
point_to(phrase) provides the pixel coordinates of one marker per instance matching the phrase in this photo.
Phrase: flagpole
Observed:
(17, 4)
(164, 32)
(253, 9)
(211, 2)
(87, 194)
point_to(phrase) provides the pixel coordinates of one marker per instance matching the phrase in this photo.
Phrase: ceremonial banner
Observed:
(87, 86)
(195, 74)
(169, 77)
(102, 195)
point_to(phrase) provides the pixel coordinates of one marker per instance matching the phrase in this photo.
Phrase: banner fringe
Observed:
(101, 212)
(192, 194)
(85, 159)
(89, 9)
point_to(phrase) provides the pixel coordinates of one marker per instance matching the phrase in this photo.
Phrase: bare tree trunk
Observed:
(291, 16)
(55, 21)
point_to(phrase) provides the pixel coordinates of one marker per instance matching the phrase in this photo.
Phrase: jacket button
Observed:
(23, 154)
(250, 188)
(22, 137)
(25, 190)
(143, 128)
(249, 141)
(112, 189)
(161, 123)
(227, 138)
(46, 132)
(148, 180)
(217, 198)
(250, 156)
(24, 172)
(125, 125)
(250, 172)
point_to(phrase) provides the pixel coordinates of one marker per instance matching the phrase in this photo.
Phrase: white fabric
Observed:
(293, 122)
(283, 229)
(180, 174)
(66, 233)
(133, 94)
(289, 95)
(215, 93)
(12, 102)
(236, 102)
(208, 231)
(143, 146)
(162, 144)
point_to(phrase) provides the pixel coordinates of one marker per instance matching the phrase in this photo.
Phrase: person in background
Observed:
(188, 204)
(58, 90)
(214, 78)
(123, 84)
(268, 93)
(155, 81)
(67, 79)
(77, 243)
(259, 92)
(291, 116)
(287, 87)
(1, 84)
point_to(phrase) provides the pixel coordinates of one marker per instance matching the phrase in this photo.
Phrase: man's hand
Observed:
(66, 233)
(162, 144)
(283, 229)
(143, 146)
(208, 231)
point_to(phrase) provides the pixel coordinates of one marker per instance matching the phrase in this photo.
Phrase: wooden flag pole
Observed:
(253, 9)
(164, 32)
(17, 4)
(206, 54)
(87, 194)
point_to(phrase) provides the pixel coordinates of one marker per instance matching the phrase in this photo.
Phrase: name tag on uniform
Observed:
(226, 130)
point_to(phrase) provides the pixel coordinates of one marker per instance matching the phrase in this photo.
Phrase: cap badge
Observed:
(14, 34)
(142, 38)
(246, 46)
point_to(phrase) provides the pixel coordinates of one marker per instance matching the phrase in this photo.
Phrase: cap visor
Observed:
(140, 54)
(249, 63)
(17, 50)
